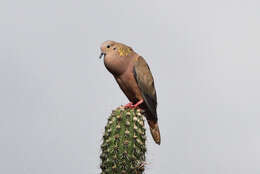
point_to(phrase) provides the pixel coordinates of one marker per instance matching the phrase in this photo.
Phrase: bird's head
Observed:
(112, 48)
(107, 48)
(117, 56)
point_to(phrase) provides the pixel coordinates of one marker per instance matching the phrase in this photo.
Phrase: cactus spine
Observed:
(123, 147)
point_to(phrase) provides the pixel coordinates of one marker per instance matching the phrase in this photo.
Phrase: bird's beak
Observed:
(101, 55)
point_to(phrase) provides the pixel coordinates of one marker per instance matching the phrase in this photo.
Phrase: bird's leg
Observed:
(129, 105)
(138, 103)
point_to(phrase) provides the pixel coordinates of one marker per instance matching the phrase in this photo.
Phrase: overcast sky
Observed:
(55, 94)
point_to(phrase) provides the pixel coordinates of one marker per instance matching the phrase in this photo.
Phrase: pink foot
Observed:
(129, 105)
(138, 103)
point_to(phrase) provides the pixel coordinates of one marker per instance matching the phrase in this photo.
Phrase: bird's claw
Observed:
(130, 105)
(138, 103)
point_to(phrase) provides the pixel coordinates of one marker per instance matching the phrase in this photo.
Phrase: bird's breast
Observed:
(128, 85)
(114, 66)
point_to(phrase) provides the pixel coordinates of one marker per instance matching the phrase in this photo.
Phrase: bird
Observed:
(135, 79)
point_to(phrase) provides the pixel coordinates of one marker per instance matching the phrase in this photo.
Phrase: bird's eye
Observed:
(114, 48)
(108, 46)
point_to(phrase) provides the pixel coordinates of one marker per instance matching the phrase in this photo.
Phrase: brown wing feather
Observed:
(145, 82)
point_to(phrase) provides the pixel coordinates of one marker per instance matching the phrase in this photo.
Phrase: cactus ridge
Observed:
(123, 147)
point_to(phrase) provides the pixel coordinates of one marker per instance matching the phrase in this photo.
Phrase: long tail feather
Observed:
(154, 128)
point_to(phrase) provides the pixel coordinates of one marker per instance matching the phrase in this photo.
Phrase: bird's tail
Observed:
(154, 128)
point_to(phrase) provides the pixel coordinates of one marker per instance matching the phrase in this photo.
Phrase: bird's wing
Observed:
(145, 82)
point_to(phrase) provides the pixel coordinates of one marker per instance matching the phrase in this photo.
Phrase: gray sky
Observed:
(56, 94)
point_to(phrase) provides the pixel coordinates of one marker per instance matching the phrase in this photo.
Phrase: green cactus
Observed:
(123, 147)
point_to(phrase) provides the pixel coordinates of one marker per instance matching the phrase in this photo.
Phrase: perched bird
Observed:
(135, 79)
